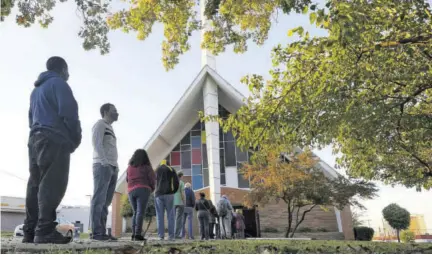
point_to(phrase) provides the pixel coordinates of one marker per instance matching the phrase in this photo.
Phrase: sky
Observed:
(132, 77)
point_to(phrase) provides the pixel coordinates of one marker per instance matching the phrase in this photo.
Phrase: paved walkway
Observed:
(14, 245)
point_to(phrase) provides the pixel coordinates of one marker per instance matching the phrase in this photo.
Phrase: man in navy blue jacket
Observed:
(55, 133)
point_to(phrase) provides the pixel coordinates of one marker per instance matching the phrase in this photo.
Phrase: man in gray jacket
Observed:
(105, 170)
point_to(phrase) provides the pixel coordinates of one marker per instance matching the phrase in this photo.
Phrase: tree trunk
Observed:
(301, 220)
(397, 233)
(289, 220)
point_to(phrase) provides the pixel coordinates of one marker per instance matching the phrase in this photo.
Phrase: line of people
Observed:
(55, 133)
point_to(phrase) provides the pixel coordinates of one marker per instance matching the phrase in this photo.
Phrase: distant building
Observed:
(418, 224)
(12, 212)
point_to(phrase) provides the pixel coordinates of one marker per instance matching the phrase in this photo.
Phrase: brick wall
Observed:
(116, 217)
(347, 223)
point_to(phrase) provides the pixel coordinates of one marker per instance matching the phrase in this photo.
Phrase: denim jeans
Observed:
(165, 203)
(49, 176)
(138, 198)
(104, 181)
(204, 224)
(179, 214)
(188, 215)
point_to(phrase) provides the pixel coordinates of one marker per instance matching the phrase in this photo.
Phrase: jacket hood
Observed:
(43, 77)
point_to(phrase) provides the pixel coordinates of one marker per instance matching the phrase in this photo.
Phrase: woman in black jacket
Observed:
(203, 208)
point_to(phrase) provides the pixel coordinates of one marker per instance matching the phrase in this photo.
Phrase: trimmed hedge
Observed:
(363, 233)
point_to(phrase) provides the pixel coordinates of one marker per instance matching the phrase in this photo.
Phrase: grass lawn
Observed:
(6, 234)
(84, 236)
(276, 246)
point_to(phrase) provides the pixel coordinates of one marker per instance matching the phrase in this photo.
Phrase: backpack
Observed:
(173, 179)
(223, 208)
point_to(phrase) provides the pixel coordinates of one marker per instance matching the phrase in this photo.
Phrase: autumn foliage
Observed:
(297, 180)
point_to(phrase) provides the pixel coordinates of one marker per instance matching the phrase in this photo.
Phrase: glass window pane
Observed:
(230, 158)
(196, 170)
(203, 137)
(186, 159)
(186, 139)
(203, 126)
(206, 177)
(242, 182)
(185, 147)
(196, 156)
(241, 155)
(228, 136)
(204, 156)
(197, 126)
(222, 157)
(196, 133)
(196, 142)
(177, 168)
(197, 182)
(177, 148)
(221, 145)
(187, 171)
(223, 180)
(175, 158)
(220, 134)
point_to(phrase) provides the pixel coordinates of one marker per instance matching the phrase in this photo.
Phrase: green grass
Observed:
(6, 234)
(84, 236)
(276, 246)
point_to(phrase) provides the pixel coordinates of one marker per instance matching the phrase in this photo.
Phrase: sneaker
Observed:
(139, 238)
(101, 238)
(112, 238)
(54, 237)
(28, 238)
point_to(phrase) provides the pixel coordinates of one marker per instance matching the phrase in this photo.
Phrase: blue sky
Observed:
(131, 77)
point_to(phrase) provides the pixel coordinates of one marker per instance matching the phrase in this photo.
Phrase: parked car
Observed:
(65, 227)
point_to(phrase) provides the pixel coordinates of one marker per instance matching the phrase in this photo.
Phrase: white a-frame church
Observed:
(209, 158)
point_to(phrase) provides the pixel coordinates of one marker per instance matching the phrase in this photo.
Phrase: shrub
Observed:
(407, 236)
(126, 208)
(363, 233)
(304, 230)
(270, 230)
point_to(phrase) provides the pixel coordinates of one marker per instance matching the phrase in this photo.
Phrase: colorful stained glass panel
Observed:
(175, 158)
(196, 156)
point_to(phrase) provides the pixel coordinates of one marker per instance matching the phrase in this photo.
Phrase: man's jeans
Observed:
(165, 203)
(104, 181)
(188, 214)
(138, 198)
(49, 175)
(179, 211)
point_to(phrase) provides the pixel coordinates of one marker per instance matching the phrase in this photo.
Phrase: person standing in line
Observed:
(212, 222)
(105, 170)
(225, 213)
(239, 224)
(167, 184)
(188, 212)
(203, 208)
(55, 133)
(141, 181)
(179, 204)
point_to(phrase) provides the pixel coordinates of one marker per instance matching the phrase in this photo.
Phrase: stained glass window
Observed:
(196, 142)
(206, 177)
(186, 159)
(196, 156)
(197, 182)
(196, 170)
(175, 158)
(230, 157)
(186, 139)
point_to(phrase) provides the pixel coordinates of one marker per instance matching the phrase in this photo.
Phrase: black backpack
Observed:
(173, 179)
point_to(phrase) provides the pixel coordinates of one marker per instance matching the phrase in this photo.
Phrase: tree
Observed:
(397, 217)
(356, 217)
(365, 89)
(127, 211)
(300, 184)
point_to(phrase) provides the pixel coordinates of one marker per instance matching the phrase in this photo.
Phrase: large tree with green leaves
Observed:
(364, 88)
